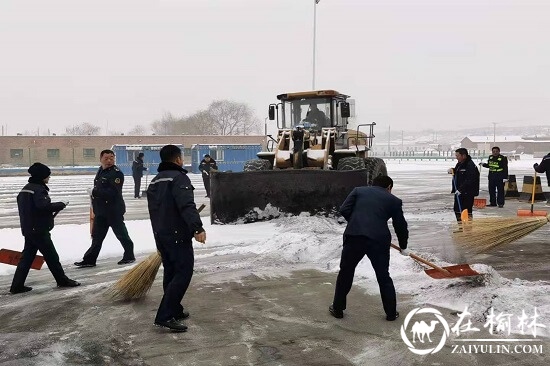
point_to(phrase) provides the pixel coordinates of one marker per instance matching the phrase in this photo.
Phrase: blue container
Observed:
(125, 155)
(227, 156)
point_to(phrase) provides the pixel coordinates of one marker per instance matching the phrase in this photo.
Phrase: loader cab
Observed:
(311, 110)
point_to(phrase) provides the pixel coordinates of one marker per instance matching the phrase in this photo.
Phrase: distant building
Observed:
(84, 150)
(507, 144)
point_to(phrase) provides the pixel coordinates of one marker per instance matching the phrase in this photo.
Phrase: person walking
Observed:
(137, 173)
(367, 210)
(109, 209)
(207, 166)
(465, 183)
(498, 175)
(36, 215)
(543, 167)
(175, 222)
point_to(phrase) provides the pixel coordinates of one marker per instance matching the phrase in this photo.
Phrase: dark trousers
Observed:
(33, 243)
(137, 186)
(466, 203)
(206, 181)
(178, 261)
(355, 248)
(101, 227)
(496, 188)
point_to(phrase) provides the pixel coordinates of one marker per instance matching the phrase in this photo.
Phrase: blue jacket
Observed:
(368, 209)
(107, 198)
(466, 178)
(174, 216)
(36, 210)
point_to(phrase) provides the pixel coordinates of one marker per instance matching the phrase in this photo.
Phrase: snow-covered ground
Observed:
(315, 242)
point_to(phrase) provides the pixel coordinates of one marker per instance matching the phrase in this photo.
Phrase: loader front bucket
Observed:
(240, 196)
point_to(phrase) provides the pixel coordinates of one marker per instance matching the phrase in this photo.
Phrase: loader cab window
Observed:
(313, 114)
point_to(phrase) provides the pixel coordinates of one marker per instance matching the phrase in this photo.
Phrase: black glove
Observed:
(535, 166)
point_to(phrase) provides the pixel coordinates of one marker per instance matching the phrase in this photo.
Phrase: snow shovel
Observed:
(459, 270)
(12, 257)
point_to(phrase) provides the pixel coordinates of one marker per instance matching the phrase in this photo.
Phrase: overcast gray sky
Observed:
(409, 64)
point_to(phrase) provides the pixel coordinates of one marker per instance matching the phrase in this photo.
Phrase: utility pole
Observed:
(315, 2)
(389, 139)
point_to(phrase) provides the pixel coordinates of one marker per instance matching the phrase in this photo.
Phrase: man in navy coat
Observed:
(367, 210)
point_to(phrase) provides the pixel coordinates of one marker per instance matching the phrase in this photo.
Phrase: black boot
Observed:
(172, 324)
(20, 290)
(68, 283)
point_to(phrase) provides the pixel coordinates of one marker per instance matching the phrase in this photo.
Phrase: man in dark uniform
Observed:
(465, 183)
(175, 221)
(137, 174)
(544, 167)
(314, 115)
(109, 210)
(367, 210)
(207, 166)
(36, 213)
(498, 175)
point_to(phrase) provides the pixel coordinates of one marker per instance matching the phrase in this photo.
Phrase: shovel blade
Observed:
(459, 270)
(13, 257)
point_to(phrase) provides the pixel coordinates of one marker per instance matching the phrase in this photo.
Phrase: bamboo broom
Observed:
(481, 235)
(137, 282)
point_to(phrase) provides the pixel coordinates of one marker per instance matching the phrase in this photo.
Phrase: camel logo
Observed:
(421, 332)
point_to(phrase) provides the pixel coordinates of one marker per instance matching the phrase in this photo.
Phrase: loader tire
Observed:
(256, 165)
(376, 167)
(351, 163)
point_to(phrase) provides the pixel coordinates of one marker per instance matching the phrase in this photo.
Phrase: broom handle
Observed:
(421, 260)
(457, 197)
(533, 194)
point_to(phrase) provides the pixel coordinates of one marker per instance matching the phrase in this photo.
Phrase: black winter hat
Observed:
(39, 171)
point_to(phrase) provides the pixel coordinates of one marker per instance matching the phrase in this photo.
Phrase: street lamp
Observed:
(315, 2)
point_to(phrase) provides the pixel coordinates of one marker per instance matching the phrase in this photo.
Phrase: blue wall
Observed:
(228, 157)
(125, 155)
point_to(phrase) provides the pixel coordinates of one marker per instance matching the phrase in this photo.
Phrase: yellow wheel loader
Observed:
(311, 166)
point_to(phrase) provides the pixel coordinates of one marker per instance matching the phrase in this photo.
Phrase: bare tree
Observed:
(165, 125)
(223, 117)
(199, 123)
(138, 130)
(232, 118)
(83, 129)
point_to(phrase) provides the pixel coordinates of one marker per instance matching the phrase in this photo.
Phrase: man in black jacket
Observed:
(367, 210)
(465, 183)
(137, 173)
(207, 166)
(498, 175)
(544, 167)
(175, 221)
(36, 214)
(109, 209)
